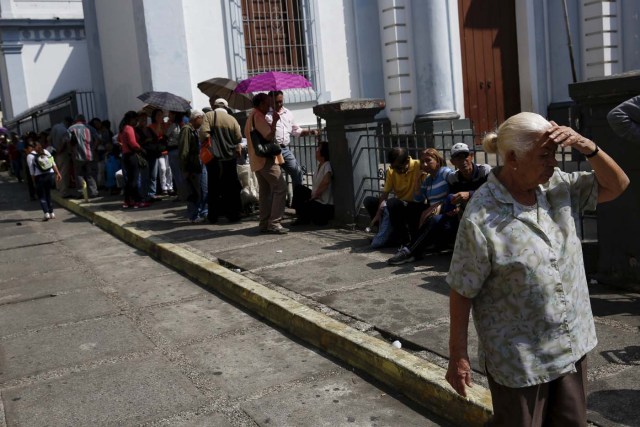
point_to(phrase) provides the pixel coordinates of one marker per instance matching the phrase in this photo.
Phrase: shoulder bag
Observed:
(261, 146)
(206, 148)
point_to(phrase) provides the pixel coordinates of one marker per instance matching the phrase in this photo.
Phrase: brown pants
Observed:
(561, 402)
(272, 195)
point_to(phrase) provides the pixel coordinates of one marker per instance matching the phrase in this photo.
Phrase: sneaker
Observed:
(403, 256)
(277, 230)
(47, 217)
(141, 205)
(52, 215)
(197, 220)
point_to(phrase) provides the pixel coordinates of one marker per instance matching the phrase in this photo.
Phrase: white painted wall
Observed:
(70, 9)
(120, 58)
(207, 54)
(52, 69)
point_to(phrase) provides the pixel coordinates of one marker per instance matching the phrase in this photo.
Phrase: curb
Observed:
(417, 379)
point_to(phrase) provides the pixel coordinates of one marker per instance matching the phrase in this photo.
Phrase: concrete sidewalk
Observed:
(328, 288)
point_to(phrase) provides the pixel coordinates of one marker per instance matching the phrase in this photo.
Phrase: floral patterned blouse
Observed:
(523, 269)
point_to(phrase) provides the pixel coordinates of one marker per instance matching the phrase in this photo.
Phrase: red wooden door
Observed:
(489, 61)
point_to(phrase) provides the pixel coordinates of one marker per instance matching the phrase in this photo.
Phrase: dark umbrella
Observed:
(272, 80)
(166, 101)
(220, 87)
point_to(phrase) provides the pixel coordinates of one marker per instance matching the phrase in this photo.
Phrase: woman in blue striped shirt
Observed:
(433, 190)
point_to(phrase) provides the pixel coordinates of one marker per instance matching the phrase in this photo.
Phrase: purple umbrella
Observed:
(272, 80)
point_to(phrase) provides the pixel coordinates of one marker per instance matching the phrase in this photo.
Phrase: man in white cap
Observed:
(442, 231)
(222, 176)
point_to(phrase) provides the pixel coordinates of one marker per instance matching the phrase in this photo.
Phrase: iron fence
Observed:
(370, 149)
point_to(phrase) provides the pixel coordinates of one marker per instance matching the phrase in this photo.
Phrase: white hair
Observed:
(517, 134)
(195, 114)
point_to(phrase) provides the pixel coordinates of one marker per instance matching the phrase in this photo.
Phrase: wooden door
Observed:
(489, 61)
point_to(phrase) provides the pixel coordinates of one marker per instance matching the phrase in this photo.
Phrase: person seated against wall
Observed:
(437, 219)
(402, 179)
(316, 206)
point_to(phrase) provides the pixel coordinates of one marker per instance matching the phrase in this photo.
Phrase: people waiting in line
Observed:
(42, 167)
(518, 264)
(172, 135)
(190, 166)
(271, 182)
(131, 151)
(438, 231)
(316, 206)
(222, 130)
(404, 212)
(83, 140)
(60, 141)
(159, 168)
(285, 128)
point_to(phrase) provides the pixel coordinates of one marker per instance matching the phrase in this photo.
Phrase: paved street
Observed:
(95, 332)
(164, 319)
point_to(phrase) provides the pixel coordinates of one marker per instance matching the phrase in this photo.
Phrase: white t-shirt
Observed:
(326, 198)
(33, 169)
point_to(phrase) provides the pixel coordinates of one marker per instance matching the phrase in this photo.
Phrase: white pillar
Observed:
(14, 86)
(437, 60)
(397, 62)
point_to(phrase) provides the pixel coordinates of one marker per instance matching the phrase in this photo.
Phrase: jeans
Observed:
(291, 166)
(204, 187)
(149, 178)
(44, 184)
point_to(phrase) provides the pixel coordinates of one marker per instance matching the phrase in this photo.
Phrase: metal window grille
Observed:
(274, 35)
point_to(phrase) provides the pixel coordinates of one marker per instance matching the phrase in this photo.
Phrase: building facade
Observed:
(428, 59)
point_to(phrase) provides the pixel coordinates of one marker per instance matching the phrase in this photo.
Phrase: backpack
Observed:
(43, 161)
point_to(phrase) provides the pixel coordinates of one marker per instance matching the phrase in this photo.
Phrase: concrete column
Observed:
(439, 84)
(346, 123)
(166, 43)
(618, 248)
(397, 62)
(14, 86)
(95, 58)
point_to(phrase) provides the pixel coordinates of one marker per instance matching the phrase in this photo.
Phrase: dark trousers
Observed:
(561, 402)
(132, 173)
(439, 230)
(404, 216)
(44, 184)
(309, 210)
(224, 190)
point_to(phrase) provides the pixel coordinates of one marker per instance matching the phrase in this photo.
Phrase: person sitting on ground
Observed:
(316, 206)
(468, 178)
(404, 213)
(42, 168)
(433, 189)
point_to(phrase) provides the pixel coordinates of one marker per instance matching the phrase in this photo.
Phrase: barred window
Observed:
(274, 35)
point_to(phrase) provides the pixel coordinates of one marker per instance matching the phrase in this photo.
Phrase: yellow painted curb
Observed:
(419, 380)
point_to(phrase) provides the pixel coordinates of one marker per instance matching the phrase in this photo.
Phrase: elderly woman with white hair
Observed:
(518, 263)
(190, 166)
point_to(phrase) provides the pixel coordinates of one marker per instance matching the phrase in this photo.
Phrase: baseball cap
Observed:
(221, 102)
(458, 148)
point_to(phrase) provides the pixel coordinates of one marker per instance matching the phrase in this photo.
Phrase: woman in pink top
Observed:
(130, 146)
